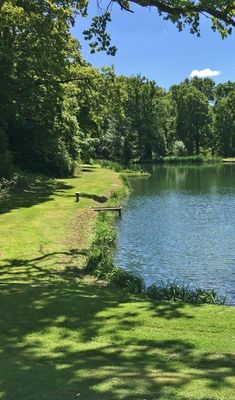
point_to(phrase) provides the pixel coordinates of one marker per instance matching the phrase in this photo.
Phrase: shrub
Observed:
(5, 186)
(179, 149)
(127, 280)
(115, 166)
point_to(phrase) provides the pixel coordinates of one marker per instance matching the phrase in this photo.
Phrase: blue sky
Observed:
(153, 47)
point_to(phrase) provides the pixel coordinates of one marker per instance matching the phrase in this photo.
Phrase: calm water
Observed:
(180, 225)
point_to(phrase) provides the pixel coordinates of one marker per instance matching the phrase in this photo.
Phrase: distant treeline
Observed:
(56, 109)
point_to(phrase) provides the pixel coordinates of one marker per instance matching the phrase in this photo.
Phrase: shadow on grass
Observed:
(64, 264)
(99, 199)
(89, 168)
(68, 340)
(40, 191)
(44, 267)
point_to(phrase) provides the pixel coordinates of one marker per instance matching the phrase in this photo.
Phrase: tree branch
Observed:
(226, 15)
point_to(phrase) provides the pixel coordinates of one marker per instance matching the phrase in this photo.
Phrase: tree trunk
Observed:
(197, 142)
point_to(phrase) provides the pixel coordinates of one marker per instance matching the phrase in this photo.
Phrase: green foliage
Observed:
(38, 114)
(5, 187)
(225, 124)
(179, 149)
(184, 159)
(126, 280)
(132, 171)
(179, 293)
(56, 109)
(115, 166)
(97, 31)
(193, 116)
(180, 12)
(99, 260)
(100, 257)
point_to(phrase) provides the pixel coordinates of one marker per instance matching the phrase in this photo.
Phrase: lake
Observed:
(179, 225)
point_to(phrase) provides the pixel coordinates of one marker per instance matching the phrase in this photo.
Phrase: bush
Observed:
(5, 186)
(179, 149)
(177, 293)
(126, 280)
(113, 165)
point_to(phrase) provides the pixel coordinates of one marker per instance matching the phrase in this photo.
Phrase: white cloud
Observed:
(204, 73)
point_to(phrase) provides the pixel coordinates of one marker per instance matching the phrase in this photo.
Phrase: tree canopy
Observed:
(56, 109)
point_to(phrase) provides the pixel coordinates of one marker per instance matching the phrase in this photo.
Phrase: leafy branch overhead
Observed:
(180, 12)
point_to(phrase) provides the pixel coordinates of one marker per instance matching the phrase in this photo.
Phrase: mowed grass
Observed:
(63, 336)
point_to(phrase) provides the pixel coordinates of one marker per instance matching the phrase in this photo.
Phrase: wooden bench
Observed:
(118, 209)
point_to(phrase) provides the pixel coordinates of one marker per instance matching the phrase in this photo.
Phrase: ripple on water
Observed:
(180, 225)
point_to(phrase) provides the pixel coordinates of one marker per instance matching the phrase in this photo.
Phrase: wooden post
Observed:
(77, 194)
(120, 212)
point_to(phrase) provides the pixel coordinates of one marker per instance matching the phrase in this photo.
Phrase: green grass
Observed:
(64, 336)
(231, 159)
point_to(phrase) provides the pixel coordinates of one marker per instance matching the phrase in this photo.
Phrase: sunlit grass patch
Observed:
(65, 337)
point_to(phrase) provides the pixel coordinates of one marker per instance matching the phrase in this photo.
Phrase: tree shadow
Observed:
(170, 310)
(88, 169)
(66, 339)
(39, 191)
(45, 267)
(99, 199)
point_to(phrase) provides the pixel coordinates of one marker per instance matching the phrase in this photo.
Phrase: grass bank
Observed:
(66, 336)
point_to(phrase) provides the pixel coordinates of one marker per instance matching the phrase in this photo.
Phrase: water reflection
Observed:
(180, 224)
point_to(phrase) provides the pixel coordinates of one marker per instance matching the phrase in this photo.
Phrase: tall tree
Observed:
(38, 57)
(204, 85)
(193, 116)
(225, 124)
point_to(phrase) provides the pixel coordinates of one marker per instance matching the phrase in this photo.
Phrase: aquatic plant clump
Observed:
(182, 293)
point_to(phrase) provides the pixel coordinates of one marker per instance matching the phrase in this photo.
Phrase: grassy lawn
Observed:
(67, 337)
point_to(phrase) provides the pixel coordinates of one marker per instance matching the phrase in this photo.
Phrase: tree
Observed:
(38, 59)
(223, 90)
(204, 85)
(225, 124)
(145, 108)
(184, 12)
(193, 117)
